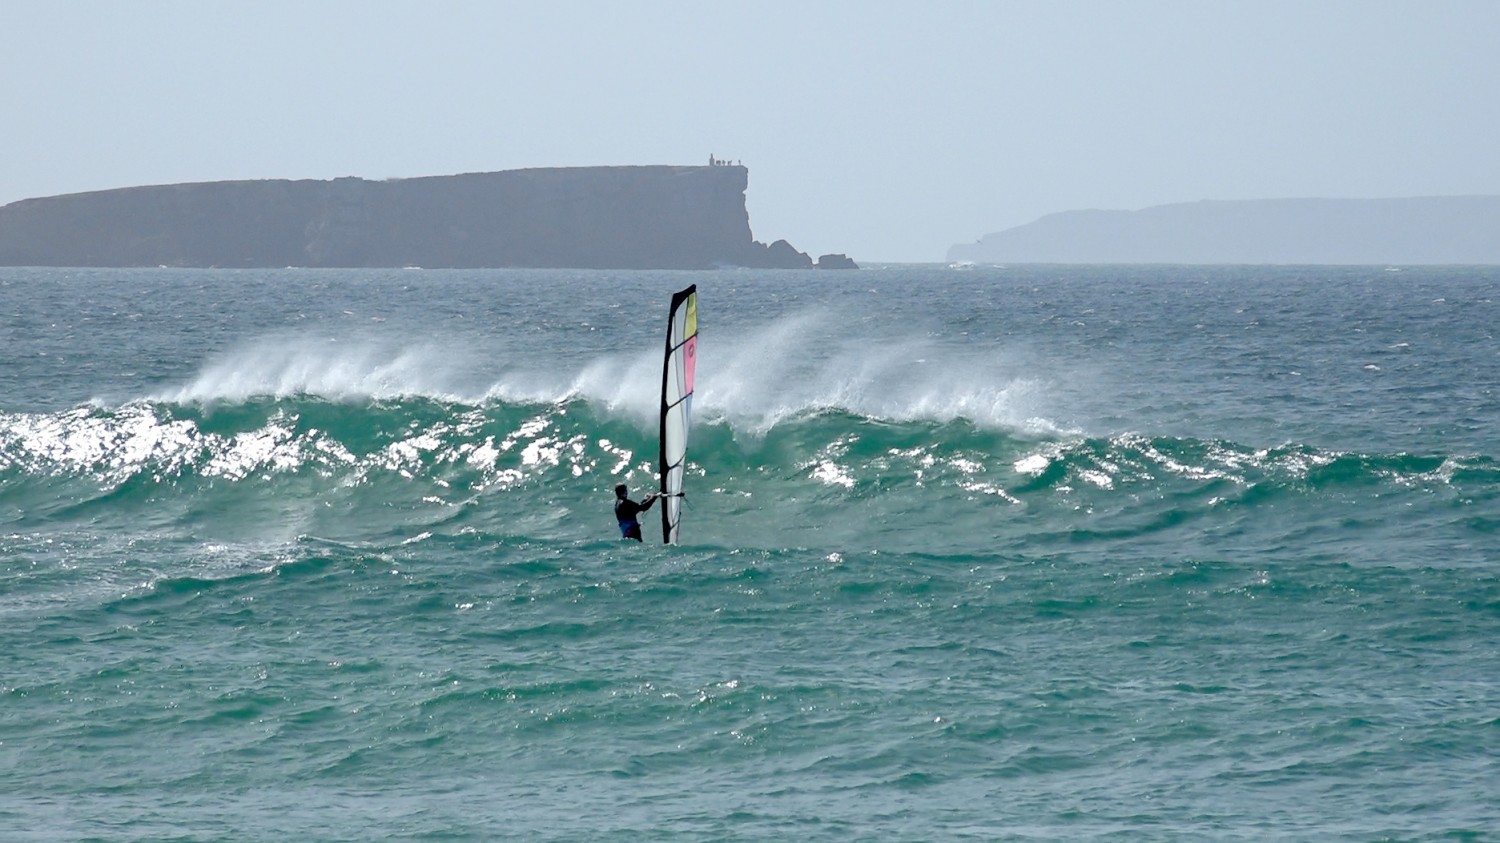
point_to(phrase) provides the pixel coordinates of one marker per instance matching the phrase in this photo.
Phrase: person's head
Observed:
(621, 491)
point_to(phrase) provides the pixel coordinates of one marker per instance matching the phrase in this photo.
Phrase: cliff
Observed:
(1434, 230)
(657, 217)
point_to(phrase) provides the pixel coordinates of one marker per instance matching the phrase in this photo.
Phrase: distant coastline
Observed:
(646, 217)
(1425, 230)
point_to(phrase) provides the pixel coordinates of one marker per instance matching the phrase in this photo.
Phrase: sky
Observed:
(888, 131)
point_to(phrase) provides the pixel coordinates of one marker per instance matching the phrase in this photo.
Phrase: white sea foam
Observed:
(814, 362)
(753, 379)
(281, 367)
(807, 363)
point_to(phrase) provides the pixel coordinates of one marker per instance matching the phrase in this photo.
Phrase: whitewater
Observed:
(968, 552)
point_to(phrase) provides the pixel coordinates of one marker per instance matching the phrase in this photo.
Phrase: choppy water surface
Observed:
(996, 553)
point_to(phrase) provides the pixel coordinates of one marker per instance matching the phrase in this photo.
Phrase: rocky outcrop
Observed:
(1433, 230)
(836, 261)
(778, 255)
(657, 217)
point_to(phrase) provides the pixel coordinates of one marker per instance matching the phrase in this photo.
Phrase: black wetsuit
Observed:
(626, 511)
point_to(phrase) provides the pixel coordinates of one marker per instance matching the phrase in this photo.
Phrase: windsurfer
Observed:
(627, 509)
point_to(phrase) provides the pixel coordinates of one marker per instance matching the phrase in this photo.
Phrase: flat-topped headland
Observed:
(646, 217)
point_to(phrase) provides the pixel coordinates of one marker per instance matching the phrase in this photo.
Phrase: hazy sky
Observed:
(889, 131)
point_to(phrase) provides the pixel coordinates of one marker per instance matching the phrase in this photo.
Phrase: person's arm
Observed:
(648, 500)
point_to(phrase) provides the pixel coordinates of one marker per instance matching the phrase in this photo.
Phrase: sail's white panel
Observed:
(677, 403)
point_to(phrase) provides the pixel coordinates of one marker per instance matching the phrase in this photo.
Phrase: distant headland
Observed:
(646, 217)
(1429, 230)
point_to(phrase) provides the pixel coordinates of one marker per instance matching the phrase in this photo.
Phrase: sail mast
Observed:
(680, 360)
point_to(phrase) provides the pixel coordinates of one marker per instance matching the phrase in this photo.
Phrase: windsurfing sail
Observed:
(676, 404)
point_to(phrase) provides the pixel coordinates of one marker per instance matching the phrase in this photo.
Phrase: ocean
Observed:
(968, 552)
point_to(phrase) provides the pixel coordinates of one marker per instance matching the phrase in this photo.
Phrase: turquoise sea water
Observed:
(993, 553)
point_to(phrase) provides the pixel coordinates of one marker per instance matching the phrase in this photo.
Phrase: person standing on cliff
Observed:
(626, 511)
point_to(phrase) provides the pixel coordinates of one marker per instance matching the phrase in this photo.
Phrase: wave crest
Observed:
(794, 366)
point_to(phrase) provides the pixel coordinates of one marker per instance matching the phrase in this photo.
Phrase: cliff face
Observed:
(1435, 230)
(585, 217)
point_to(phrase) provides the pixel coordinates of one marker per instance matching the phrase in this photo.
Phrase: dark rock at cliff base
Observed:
(655, 217)
(836, 261)
(781, 255)
(1421, 230)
